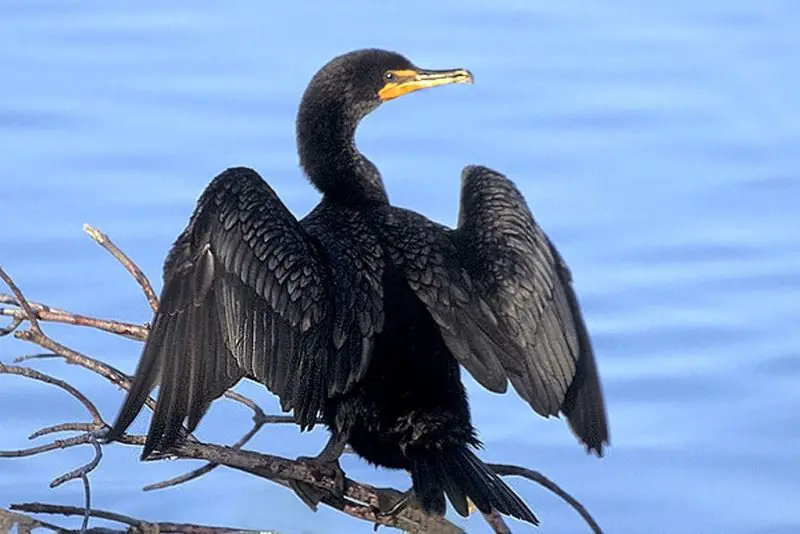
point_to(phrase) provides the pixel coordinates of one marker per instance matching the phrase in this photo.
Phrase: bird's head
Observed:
(362, 80)
(339, 95)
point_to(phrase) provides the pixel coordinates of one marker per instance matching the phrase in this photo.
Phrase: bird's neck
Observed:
(328, 154)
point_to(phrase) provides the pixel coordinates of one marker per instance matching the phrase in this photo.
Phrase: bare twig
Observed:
(535, 476)
(266, 466)
(64, 427)
(23, 302)
(258, 413)
(361, 502)
(41, 377)
(87, 503)
(142, 526)
(39, 508)
(57, 444)
(83, 473)
(84, 469)
(23, 523)
(40, 356)
(103, 240)
(271, 467)
(55, 315)
(13, 325)
(259, 420)
(110, 373)
(119, 378)
(495, 520)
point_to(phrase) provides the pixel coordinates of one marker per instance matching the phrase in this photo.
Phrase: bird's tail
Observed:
(459, 473)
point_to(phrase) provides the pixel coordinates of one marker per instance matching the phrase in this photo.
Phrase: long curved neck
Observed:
(326, 146)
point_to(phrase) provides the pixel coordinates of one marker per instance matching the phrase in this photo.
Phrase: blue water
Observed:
(658, 144)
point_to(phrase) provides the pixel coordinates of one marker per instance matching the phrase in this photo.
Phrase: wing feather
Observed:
(523, 278)
(247, 292)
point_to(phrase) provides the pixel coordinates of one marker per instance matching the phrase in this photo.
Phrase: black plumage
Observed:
(363, 312)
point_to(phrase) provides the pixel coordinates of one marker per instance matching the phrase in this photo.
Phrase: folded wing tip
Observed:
(474, 171)
(598, 449)
(496, 385)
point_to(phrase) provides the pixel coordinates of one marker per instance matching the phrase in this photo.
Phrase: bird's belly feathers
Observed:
(412, 394)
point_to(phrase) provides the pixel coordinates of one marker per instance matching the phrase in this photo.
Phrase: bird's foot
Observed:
(320, 468)
(391, 502)
(327, 468)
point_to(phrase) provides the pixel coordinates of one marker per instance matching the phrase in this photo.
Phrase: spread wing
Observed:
(246, 293)
(524, 279)
(428, 259)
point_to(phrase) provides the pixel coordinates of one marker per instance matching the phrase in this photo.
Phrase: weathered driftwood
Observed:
(360, 499)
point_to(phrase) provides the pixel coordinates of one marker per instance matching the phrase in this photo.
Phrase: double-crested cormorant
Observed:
(362, 312)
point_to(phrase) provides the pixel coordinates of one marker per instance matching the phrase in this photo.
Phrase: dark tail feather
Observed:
(460, 474)
(428, 479)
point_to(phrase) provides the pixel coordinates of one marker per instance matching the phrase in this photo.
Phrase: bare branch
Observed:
(87, 503)
(496, 521)
(41, 508)
(13, 325)
(23, 302)
(64, 427)
(259, 420)
(83, 470)
(83, 473)
(103, 240)
(266, 466)
(24, 524)
(83, 439)
(258, 413)
(110, 373)
(411, 519)
(41, 377)
(535, 476)
(55, 315)
(40, 356)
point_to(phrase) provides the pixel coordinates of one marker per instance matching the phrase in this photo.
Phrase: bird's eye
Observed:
(388, 76)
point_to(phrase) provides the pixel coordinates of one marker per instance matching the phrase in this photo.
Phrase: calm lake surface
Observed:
(657, 143)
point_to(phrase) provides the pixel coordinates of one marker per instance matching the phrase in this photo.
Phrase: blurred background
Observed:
(657, 143)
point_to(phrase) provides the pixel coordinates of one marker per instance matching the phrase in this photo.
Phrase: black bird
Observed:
(363, 312)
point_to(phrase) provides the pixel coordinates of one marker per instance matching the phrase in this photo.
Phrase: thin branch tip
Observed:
(21, 300)
(93, 232)
(138, 275)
